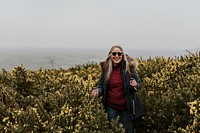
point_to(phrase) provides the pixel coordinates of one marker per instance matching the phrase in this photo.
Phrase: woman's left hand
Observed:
(133, 83)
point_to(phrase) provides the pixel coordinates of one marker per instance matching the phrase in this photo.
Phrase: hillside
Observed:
(58, 100)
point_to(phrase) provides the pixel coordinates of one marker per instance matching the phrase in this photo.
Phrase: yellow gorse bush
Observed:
(58, 100)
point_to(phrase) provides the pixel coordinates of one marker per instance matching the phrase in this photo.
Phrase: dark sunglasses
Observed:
(116, 53)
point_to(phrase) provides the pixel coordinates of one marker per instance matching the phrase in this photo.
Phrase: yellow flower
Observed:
(5, 119)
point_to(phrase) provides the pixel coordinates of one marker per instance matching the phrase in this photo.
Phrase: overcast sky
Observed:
(139, 24)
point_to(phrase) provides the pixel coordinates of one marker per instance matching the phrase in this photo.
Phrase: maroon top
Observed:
(116, 96)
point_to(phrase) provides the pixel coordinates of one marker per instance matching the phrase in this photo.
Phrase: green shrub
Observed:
(58, 100)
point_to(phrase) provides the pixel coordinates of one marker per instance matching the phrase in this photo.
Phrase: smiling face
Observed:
(116, 56)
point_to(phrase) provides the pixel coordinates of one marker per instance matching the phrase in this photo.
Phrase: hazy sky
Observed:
(140, 24)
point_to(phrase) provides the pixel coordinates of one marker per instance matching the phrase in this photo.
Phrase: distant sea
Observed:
(33, 59)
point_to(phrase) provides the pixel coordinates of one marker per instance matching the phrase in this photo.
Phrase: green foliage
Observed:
(58, 100)
(52, 101)
(168, 85)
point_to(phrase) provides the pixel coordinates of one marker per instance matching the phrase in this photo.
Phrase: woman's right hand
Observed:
(95, 93)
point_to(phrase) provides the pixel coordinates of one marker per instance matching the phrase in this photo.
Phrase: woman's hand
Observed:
(95, 93)
(133, 83)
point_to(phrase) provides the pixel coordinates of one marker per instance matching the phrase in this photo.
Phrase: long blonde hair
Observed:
(108, 64)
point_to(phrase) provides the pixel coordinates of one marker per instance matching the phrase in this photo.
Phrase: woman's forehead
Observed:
(116, 50)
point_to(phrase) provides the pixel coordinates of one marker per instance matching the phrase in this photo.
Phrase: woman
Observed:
(117, 84)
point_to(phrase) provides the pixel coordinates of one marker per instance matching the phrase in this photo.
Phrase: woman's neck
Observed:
(117, 65)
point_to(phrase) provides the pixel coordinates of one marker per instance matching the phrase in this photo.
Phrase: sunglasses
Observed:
(116, 53)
